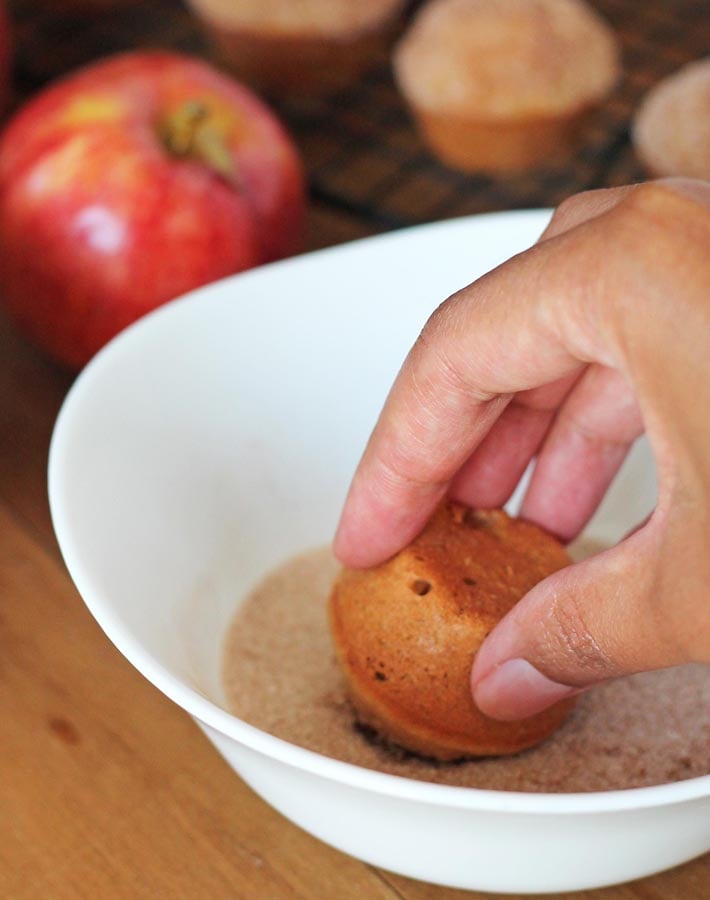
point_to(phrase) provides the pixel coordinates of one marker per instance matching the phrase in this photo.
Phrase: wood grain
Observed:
(108, 789)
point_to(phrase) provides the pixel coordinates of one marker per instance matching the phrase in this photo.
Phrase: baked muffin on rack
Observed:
(406, 632)
(500, 85)
(299, 47)
(671, 129)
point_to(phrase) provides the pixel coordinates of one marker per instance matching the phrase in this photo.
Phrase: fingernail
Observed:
(516, 689)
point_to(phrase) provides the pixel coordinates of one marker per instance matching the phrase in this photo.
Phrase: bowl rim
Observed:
(229, 725)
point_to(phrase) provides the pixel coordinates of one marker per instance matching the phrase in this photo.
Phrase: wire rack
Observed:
(366, 156)
(361, 150)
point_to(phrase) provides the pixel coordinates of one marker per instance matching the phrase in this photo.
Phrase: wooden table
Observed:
(108, 790)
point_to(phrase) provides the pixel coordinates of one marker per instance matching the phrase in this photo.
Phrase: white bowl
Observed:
(216, 438)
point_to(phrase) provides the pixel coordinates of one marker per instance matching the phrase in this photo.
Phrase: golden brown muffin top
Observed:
(295, 17)
(482, 561)
(406, 632)
(672, 126)
(507, 58)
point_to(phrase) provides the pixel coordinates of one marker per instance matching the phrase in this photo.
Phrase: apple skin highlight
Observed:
(131, 182)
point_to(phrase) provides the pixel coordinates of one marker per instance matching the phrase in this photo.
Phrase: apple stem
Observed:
(190, 132)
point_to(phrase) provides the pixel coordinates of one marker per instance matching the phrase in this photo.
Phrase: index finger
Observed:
(512, 330)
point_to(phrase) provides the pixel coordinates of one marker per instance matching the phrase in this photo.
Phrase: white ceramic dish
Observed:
(216, 438)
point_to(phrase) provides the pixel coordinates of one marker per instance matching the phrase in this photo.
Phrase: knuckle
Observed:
(568, 208)
(401, 475)
(444, 343)
(660, 228)
(433, 343)
(574, 639)
(649, 200)
(393, 476)
(658, 207)
(439, 326)
(579, 208)
(565, 215)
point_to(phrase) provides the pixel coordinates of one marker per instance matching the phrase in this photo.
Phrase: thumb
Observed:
(583, 625)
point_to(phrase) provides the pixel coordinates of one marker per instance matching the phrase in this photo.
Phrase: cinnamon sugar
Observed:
(280, 675)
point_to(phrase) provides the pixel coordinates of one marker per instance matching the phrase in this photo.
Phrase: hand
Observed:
(566, 353)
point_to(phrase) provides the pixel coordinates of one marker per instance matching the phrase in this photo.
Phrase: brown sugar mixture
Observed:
(280, 675)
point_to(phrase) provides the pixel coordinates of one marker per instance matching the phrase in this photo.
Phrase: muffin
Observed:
(671, 129)
(406, 632)
(299, 47)
(500, 85)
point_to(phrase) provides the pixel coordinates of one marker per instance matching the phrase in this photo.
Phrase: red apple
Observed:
(131, 182)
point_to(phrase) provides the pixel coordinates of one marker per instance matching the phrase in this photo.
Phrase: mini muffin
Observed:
(500, 85)
(406, 632)
(671, 129)
(299, 46)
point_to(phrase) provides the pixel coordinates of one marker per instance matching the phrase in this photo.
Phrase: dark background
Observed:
(363, 156)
